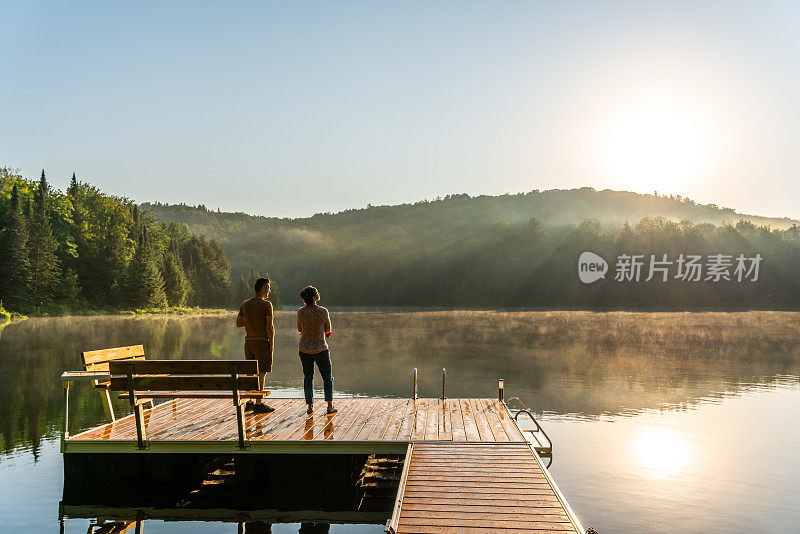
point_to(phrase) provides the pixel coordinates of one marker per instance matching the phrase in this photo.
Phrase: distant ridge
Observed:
(507, 250)
(554, 207)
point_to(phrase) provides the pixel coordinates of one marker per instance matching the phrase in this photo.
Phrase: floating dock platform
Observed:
(467, 465)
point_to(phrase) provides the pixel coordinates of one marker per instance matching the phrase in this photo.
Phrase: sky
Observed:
(290, 109)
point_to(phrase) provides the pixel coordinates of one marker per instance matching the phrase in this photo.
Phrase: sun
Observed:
(654, 147)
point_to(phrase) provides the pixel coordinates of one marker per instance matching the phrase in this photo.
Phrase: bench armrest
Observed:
(83, 376)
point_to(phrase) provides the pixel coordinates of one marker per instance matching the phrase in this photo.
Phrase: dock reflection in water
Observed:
(312, 491)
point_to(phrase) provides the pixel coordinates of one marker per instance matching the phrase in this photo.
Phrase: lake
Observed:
(661, 422)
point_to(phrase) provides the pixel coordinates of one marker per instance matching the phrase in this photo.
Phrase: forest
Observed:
(511, 250)
(82, 249)
(86, 251)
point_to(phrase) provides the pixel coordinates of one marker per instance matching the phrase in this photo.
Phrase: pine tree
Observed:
(72, 190)
(14, 262)
(251, 283)
(68, 288)
(242, 292)
(135, 227)
(78, 262)
(209, 272)
(176, 285)
(44, 265)
(251, 280)
(144, 287)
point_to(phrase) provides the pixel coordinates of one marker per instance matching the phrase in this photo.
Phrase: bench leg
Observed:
(240, 425)
(108, 408)
(141, 436)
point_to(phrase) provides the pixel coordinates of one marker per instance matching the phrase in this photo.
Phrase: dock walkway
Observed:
(474, 487)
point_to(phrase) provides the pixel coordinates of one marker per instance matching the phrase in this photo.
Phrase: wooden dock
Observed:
(361, 425)
(468, 467)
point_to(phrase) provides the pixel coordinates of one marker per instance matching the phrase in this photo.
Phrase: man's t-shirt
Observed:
(257, 314)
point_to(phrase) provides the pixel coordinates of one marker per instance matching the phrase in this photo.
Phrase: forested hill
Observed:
(556, 207)
(518, 250)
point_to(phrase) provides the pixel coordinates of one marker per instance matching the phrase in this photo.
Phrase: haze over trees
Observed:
(509, 250)
(86, 250)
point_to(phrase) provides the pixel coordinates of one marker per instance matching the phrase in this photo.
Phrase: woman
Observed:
(314, 325)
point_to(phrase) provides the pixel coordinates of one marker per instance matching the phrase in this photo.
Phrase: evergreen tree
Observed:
(44, 265)
(209, 272)
(68, 288)
(135, 227)
(72, 190)
(144, 287)
(77, 229)
(14, 262)
(243, 292)
(176, 285)
(251, 282)
(251, 279)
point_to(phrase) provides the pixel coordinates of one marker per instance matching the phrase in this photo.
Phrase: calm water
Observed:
(661, 422)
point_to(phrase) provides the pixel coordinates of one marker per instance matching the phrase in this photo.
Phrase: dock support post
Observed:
(65, 437)
(444, 380)
(500, 390)
(414, 386)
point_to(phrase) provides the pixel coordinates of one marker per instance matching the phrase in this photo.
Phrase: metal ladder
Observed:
(542, 443)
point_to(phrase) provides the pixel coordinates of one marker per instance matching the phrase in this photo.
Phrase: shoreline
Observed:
(166, 312)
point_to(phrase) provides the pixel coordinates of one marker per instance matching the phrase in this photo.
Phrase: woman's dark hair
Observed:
(308, 294)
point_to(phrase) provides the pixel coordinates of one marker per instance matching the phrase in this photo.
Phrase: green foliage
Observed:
(144, 287)
(511, 250)
(44, 265)
(242, 292)
(176, 285)
(79, 252)
(246, 289)
(208, 270)
(14, 261)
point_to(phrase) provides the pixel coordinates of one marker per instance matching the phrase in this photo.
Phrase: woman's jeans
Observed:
(323, 360)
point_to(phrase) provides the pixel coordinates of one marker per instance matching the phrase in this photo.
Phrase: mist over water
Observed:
(661, 422)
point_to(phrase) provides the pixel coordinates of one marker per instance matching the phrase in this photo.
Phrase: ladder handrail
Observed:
(539, 428)
(548, 450)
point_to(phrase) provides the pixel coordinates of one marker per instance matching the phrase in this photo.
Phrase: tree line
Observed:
(511, 251)
(86, 250)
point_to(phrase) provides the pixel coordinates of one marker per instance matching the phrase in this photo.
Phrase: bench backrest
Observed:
(184, 375)
(99, 360)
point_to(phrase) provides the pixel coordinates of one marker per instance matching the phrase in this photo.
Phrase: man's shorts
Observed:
(259, 350)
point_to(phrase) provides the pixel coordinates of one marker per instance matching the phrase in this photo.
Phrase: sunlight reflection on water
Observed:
(660, 453)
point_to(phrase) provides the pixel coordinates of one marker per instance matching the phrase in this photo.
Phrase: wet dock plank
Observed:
(358, 419)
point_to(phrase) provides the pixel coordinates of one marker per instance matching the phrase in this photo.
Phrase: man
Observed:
(255, 315)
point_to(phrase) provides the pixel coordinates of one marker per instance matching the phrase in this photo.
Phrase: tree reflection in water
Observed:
(577, 364)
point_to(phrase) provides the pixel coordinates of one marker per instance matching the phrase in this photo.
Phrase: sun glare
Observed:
(653, 148)
(660, 453)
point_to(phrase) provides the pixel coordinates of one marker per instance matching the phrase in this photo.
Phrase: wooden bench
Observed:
(97, 361)
(144, 380)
